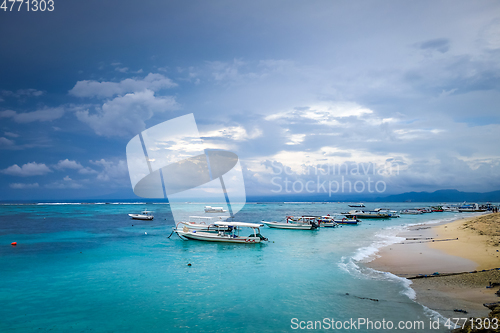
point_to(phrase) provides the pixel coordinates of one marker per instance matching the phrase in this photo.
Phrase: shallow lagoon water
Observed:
(86, 268)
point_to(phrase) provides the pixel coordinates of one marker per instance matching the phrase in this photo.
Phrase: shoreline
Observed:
(445, 263)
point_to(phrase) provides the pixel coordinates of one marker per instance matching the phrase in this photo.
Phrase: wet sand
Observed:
(464, 245)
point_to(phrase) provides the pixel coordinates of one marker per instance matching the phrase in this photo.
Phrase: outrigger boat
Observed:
(391, 213)
(297, 223)
(357, 205)
(145, 215)
(346, 220)
(410, 212)
(210, 209)
(326, 221)
(227, 232)
(202, 223)
(367, 214)
(471, 208)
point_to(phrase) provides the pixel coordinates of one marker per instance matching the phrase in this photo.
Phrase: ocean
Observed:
(90, 268)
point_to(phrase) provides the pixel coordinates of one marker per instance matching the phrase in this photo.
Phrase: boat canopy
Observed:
(203, 217)
(240, 224)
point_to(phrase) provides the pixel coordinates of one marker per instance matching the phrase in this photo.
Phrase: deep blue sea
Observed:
(90, 268)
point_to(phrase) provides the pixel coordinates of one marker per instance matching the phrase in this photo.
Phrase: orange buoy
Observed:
(13, 243)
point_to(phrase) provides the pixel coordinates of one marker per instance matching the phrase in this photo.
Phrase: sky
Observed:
(397, 96)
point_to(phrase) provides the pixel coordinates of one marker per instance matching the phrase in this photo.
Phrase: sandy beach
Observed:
(462, 246)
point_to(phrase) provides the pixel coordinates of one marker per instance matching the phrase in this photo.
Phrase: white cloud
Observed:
(6, 142)
(64, 184)
(22, 93)
(153, 82)
(28, 169)
(324, 113)
(73, 165)
(47, 114)
(295, 139)
(237, 133)
(23, 185)
(115, 173)
(12, 135)
(67, 164)
(125, 115)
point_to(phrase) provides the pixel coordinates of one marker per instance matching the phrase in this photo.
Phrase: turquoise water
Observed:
(90, 268)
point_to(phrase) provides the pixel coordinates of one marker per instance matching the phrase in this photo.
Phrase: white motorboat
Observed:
(296, 223)
(471, 208)
(366, 214)
(210, 209)
(391, 213)
(357, 205)
(145, 215)
(346, 220)
(203, 223)
(410, 212)
(227, 232)
(326, 221)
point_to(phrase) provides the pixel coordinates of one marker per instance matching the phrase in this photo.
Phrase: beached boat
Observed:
(361, 205)
(450, 208)
(226, 232)
(366, 214)
(145, 215)
(297, 223)
(210, 209)
(471, 208)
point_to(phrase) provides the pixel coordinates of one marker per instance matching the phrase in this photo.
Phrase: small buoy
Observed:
(13, 243)
(189, 264)
(145, 233)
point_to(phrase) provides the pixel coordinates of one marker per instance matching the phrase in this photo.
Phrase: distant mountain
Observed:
(443, 196)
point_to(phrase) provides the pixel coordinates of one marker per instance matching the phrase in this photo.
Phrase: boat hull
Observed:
(140, 217)
(346, 222)
(208, 237)
(292, 226)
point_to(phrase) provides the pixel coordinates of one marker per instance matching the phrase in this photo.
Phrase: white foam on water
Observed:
(59, 203)
(385, 237)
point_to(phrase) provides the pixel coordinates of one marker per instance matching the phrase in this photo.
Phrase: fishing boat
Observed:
(471, 208)
(366, 214)
(410, 212)
(202, 223)
(345, 220)
(360, 205)
(326, 221)
(331, 221)
(391, 213)
(450, 208)
(297, 223)
(145, 215)
(210, 209)
(226, 232)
